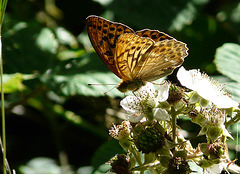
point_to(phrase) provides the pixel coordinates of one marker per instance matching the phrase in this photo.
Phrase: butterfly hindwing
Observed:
(103, 35)
(153, 34)
(129, 52)
(161, 59)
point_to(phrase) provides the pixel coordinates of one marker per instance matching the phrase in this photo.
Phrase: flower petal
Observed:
(146, 91)
(188, 78)
(131, 104)
(163, 92)
(161, 114)
(224, 102)
(135, 117)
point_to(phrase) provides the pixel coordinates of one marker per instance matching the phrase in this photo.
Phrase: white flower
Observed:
(205, 87)
(213, 126)
(145, 98)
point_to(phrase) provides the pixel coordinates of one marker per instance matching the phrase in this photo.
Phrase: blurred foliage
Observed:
(54, 118)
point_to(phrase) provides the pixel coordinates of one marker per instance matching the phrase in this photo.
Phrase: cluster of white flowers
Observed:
(207, 97)
(204, 90)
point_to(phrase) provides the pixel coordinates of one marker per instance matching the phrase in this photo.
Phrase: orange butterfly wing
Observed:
(103, 35)
(141, 58)
(129, 52)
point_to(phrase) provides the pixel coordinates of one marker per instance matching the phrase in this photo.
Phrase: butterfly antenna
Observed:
(99, 84)
(110, 90)
(90, 84)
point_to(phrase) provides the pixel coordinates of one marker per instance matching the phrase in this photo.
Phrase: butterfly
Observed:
(135, 57)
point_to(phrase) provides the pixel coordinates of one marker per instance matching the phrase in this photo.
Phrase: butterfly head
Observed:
(125, 86)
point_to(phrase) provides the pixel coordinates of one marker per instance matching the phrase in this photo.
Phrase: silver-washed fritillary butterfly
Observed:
(135, 57)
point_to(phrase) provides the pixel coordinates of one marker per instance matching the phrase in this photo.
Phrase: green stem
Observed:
(3, 112)
(2, 13)
(233, 120)
(174, 123)
(136, 155)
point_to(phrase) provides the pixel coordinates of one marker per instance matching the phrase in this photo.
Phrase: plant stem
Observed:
(233, 120)
(136, 155)
(174, 122)
(3, 111)
(2, 12)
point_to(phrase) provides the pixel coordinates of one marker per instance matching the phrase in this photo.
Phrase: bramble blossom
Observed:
(205, 87)
(146, 101)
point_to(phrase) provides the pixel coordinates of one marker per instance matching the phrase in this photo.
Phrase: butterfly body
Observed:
(135, 57)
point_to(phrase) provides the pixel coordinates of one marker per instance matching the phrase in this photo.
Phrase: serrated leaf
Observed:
(234, 89)
(106, 152)
(78, 84)
(72, 77)
(162, 15)
(227, 60)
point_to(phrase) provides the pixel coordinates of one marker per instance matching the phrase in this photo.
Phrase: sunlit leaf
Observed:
(41, 165)
(234, 89)
(46, 41)
(227, 60)
(13, 82)
(72, 77)
(65, 37)
(28, 48)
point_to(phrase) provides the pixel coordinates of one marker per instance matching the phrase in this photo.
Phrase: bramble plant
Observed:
(152, 139)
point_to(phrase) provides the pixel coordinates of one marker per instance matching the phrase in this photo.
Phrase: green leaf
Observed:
(234, 89)
(106, 152)
(46, 41)
(28, 48)
(72, 77)
(13, 82)
(41, 165)
(227, 60)
(65, 37)
(163, 15)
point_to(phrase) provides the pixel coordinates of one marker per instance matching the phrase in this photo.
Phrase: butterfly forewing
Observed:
(129, 52)
(103, 35)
